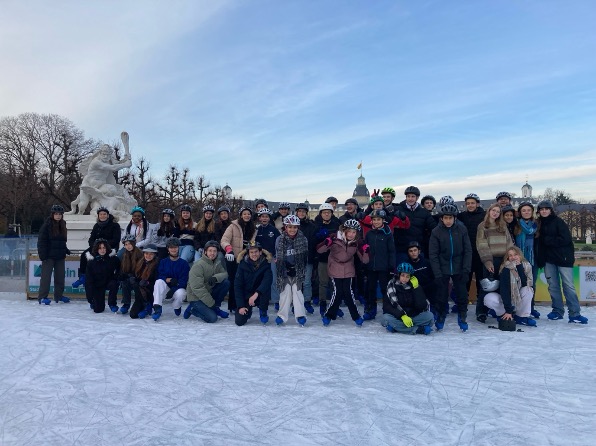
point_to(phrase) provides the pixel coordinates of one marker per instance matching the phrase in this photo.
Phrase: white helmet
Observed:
(325, 207)
(489, 285)
(291, 220)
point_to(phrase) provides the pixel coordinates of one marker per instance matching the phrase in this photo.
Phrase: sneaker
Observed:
(45, 301)
(326, 321)
(263, 316)
(124, 308)
(579, 319)
(309, 308)
(389, 328)
(482, 318)
(187, 312)
(524, 321)
(113, 308)
(554, 316)
(177, 311)
(492, 313)
(221, 313)
(535, 314)
(340, 313)
(359, 322)
(279, 321)
(301, 320)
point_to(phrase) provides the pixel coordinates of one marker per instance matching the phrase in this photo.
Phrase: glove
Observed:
(212, 281)
(407, 320)
(375, 192)
(132, 280)
(360, 215)
(365, 248)
(322, 233)
(144, 282)
(328, 241)
(390, 209)
(230, 257)
(400, 214)
(170, 294)
(173, 282)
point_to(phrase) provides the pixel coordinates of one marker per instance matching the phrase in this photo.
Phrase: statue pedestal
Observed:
(79, 229)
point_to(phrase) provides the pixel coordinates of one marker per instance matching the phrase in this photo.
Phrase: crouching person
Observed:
(103, 269)
(172, 279)
(208, 284)
(144, 282)
(253, 283)
(405, 308)
(515, 286)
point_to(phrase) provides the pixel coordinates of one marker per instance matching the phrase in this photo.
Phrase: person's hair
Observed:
(204, 226)
(501, 225)
(184, 225)
(248, 228)
(539, 221)
(167, 227)
(518, 230)
(58, 228)
(144, 269)
(130, 259)
(97, 245)
(506, 256)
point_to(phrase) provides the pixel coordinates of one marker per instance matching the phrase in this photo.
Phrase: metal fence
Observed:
(14, 253)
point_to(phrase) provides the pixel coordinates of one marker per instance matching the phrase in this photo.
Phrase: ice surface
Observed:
(72, 377)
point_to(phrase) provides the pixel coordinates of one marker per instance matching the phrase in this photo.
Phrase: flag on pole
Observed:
(359, 166)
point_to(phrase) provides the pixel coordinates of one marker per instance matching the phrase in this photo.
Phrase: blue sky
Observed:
(283, 99)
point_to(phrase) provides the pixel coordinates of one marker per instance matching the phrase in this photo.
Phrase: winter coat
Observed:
(252, 277)
(472, 220)
(159, 237)
(408, 299)
(450, 251)
(266, 236)
(382, 249)
(100, 271)
(341, 256)
(174, 269)
(198, 288)
(511, 282)
(202, 237)
(393, 222)
(131, 228)
(110, 230)
(421, 226)
(50, 246)
(554, 244)
(422, 271)
(322, 231)
(234, 237)
(492, 243)
(308, 229)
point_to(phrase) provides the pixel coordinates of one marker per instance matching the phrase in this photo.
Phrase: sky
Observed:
(283, 99)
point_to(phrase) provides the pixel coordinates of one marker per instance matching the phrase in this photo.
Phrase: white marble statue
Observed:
(99, 187)
(589, 236)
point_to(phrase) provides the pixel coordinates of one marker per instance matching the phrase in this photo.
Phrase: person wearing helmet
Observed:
(172, 278)
(381, 260)
(103, 267)
(326, 224)
(504, 198)
(342, 247)
(291, 253)
(450, 256)
(239, 232)
(204, 231)
(253, 283)
(105, 227)
(419, 230)
(52, 251)
(260, 203)
(524, 236)
(388, 194)
(308, 229)
(332, 201)
(514, 300)
(187, 234)
(128, 264)
(395, 219)
(556, 254)
(471, 218)
(277, 219)
(139, 227)
(222, 223)
(492, 241)
(405, 308)
(266, 232)
(146, 271)
(424, 274)
(352, 210)
(207, 286)
(166, 228)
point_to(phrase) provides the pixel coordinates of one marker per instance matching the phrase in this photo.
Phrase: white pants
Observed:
(290, 294)
(494, 301)
(161, 289)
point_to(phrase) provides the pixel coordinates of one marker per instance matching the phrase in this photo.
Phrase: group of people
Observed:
(413, 258)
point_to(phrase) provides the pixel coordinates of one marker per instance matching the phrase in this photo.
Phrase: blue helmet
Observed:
(405, 267)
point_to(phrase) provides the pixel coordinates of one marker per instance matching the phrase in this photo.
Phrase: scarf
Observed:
(516, 281)
(525, 239)
(298, 248)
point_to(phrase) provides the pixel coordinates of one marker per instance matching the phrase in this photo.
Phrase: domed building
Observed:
(361, 193)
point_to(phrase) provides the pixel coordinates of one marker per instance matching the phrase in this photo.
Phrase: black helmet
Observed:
(412, 190)
(473, 197)
(185, 207)
(57, 209)
(449, 209)
(211, 244)
(129, 238)
(245, 208)
(429, 197)
(351, 200)
(168, 211)
(507, 208)
(330, 199)
(103, 209)
(302, 206)
(224, 208)
(172, 241)
(261, 201)
(503, 194)
(414, 244)
(525, 203)
(378, 213)
(545, 204)
(98, 241)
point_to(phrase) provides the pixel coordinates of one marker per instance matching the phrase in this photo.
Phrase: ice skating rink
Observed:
(72, 377)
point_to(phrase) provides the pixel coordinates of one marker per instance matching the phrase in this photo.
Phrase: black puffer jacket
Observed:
(450, 250)
(308, 228)
(381, 250)
(251, 277)
(324, 230)
(554, 244)
(421, 225)
(404, 299)
(100, 271)
(472, 220)
(50, 246)
(110, 230)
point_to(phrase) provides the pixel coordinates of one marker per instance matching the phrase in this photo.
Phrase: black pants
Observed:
(372, 277)
(231, 267)
(480, 307)
(143, 298)
(58, 267)
(478, 271)
(459, 285)
(341, 289)
(97, 296)
(262, 303)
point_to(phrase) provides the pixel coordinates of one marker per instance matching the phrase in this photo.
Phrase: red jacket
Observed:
(366, 224)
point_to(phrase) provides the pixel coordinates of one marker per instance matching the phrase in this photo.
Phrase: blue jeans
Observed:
(274, 290)
(200, 310)
(554, 275)
(187, 252)
(307, 285)
(424, 318)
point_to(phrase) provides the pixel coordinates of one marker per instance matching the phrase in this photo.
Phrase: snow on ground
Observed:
(71, 377)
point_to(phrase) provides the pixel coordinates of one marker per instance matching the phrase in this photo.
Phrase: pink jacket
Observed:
(341, 257)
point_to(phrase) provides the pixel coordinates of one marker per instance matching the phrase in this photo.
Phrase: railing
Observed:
(14, 253)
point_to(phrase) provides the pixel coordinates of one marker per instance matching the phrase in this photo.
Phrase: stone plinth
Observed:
(79, 229)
